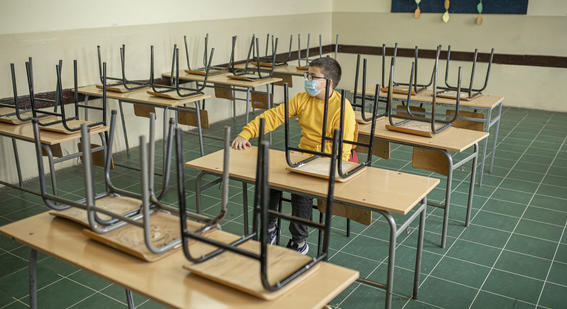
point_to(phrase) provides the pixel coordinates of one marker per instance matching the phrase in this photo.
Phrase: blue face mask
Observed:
(311, 87)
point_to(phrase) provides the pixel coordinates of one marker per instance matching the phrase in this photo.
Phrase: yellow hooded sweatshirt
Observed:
(309, 111)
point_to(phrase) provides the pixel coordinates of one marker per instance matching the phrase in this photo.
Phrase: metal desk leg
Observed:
(419, 251)
(391, 260)
(489, 117)
(165, 109)
(448, 190)
(198, 192)
(199, 127)
(124, 127)
(269, 106)
(86, 109)
(245, 206)
(247, 103)
(33, 278)
(233, 103)
(395, 232)
(471, 185)
(495, 137)
(17, 159)
(51, 168)
(129, 299)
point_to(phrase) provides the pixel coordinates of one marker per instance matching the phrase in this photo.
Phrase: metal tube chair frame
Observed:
(324, 138)
(267, 59)
(363, 96)
(18, 112)
(206, 62)
(471, 92)
(37, 113)
(410, 115)
(246, 70)
(175, 77)
(260, 209)
(255, 47)
(307, 48)
(123, 80)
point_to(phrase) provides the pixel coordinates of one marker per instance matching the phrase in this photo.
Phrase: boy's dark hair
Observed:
(329, 67)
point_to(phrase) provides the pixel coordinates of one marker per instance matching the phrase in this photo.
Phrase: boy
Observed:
(308, 106)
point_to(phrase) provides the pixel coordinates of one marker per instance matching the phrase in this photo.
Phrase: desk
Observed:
(486, 103)
(164, 281)
(141, 96)
(287, 69)
(224, 82)
(379, 190)
(451, 139)
(24, 132)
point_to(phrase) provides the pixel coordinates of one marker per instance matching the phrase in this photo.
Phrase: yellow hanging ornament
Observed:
(417, 11)
(445, 17)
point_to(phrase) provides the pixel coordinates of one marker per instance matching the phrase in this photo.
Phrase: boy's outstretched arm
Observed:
(240, 143)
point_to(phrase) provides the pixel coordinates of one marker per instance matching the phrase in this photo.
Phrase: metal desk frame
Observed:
(51, 161)
(395, 231)
(488, 123)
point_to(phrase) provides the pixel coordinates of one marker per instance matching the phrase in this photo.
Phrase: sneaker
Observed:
(272, 236)
(293, 246)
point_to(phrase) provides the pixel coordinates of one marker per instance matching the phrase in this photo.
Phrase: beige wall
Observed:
(47, 47)
(534, 34)
(54, 15)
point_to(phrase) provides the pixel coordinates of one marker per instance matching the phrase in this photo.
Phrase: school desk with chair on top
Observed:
(383, 191)
(145, 104)
(51, 145)
(434, 154)
(164, 281)
(223, 83)
(484, 103)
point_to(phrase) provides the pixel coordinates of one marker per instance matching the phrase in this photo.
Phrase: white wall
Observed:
(540, 32)
(55, 15)
(75, 36)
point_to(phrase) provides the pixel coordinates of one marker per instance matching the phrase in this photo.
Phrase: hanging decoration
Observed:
(417, 11)
(445, 17)
(479, 9)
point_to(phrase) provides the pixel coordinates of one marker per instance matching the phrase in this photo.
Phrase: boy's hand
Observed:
(240, 143)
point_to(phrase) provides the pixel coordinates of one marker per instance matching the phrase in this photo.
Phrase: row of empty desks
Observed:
(284, 69)
(142, 97)
(223, 81)
(164, 281)
(433, 154)
(491, 105)
(51, 147)
(374, 189)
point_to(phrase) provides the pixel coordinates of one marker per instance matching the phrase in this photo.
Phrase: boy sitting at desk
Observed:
(308, 106)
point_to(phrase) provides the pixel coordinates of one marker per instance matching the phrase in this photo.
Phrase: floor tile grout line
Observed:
(556, 248)
(505, 215)
(461, 233)
(475, 288)
(61, 278)
(517, 223)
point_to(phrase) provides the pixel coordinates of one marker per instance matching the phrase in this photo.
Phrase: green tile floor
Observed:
(513, 255)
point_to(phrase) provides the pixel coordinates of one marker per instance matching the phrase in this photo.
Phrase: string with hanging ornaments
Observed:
(445, 16)
(417, 11)
(479, 9)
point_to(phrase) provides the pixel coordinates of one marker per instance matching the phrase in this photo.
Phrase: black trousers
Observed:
(301, 206)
